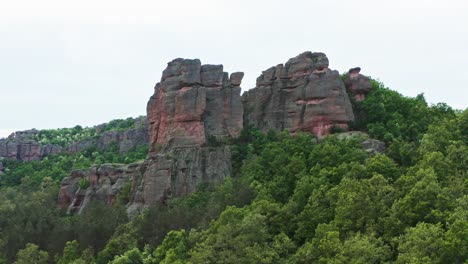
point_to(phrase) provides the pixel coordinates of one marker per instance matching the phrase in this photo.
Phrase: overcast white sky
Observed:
(86, 62)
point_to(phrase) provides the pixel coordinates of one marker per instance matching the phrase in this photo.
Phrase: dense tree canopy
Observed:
(292, 199)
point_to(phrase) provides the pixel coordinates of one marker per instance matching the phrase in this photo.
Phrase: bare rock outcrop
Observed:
(370, 145)
(359, 85)
(98, 184)
(192, 106)
(301, 95)
(22, 146)
(192, 103)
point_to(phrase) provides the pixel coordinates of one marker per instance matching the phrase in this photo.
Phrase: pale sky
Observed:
(64, 63)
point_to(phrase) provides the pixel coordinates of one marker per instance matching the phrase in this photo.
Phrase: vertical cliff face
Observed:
(302, 95)
(22, 146)
(192, 105)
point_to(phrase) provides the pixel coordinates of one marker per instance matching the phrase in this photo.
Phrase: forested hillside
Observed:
(291, 199)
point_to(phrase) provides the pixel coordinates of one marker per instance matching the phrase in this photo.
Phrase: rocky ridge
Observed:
(191, 105)
(196, 104)
(23, 146)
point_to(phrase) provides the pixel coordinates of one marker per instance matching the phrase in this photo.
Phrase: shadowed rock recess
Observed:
(194, 106)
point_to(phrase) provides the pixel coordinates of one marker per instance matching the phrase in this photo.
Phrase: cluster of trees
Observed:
(65, 136)
(59, 166)
(291, 199)
(333, 203)
(32, 228)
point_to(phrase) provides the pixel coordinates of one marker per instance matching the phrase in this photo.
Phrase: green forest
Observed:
(291, 199)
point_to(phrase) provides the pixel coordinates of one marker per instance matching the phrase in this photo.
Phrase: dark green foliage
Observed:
(387, 115)
(292, 199)
(31, 254)
(59, 166)
(28, 204)
(331, 202)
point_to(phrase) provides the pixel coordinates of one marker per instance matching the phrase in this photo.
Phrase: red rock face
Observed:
(302, 95)
(192, 103)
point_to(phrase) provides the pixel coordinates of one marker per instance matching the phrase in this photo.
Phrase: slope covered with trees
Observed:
(292, 199)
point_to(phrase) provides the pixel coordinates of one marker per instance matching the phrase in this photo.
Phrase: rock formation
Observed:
(192, 103)
(370, 145)
(21, 145)
(125, 140)
(302, 95)
(358, 84)
(196, 108)
(99, 183)
(192, 106)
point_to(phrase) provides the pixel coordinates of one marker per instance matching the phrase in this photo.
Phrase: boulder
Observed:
(370, 145)
(357, 84)
(373, 146)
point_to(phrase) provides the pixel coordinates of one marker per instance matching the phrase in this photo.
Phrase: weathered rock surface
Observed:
(192, 103)
(179, 172)
(105, 183)
(359, 85)
(302, 95)
(22, 146)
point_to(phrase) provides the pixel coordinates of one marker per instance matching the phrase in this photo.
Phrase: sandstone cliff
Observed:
(301, 95)
(192, 105)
